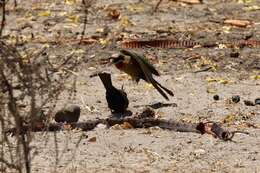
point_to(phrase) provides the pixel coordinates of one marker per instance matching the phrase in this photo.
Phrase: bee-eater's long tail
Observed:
(157, 87)
(165, 89)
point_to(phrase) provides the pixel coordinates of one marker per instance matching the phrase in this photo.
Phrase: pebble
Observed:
(216, 97)
(257, 101)
(69, 114)
(249, 103)
(235, 98)
(234, 54)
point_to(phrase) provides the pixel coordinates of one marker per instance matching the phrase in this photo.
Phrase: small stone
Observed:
(249, 103)
(216, 97)
(236, 98)
(68, 114)
(257, 101)
(199, 152)
(101, 126)
(234, 54)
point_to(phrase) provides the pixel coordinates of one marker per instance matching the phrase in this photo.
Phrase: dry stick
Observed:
(109, 122)
(3, 17)
(86, 6)
(137, 122)
(157, 6)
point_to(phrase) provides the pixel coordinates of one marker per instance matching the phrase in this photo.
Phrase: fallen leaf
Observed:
(125, 22)
(135, 8)
(191, 1)
(91, 68)
(218, 80)
(211, 90)
(239, 23)
(126, 125)
(255, 77)
(103, 41)
(44, 13)
(148, 86)
(93, 139)
(252, 8)
(113, 13)
(244, 1)
(73, 18)
(70, 2)
(229, 118)
(226, 29)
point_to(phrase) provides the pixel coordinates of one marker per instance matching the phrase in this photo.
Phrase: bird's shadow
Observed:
(157, 105)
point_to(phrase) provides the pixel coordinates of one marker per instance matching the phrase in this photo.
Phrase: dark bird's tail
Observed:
(159, 88)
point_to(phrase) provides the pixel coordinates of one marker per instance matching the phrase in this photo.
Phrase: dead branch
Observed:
(137, 122)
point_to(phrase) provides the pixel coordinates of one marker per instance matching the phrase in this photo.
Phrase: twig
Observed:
(86, 6)
(2, 2)
(203, 70)
(157, 6)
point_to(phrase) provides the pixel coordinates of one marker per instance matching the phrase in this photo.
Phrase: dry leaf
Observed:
(103, 41)
(226, 29)
(100, 30)
(219, 80)
(255, 77)
(93, 139)
(148, 86)
(70, 2)
(44, 13)
(126, 125)
(229, 118)
(239, 23)
(191, 1)
(135, 8)
(244, 1)
(113, 13)
(252, 8)
(73, 18)
(211, 90)
(125, 22)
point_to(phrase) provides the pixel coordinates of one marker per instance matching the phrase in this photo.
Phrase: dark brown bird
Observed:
(138, 67)
(116, 99)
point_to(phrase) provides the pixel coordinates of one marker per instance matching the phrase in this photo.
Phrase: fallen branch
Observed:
(136, 122)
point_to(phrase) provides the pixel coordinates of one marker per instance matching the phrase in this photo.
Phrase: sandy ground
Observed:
(154, 149)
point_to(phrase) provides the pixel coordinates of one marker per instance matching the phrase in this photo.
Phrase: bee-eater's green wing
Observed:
(147, 72)
(141, 58)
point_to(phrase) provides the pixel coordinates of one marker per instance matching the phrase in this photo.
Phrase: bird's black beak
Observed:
(113, 59)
